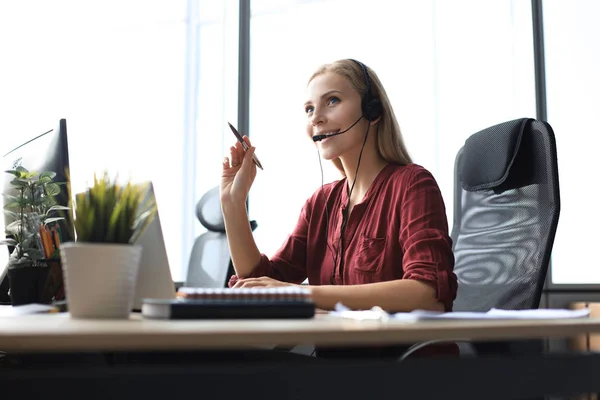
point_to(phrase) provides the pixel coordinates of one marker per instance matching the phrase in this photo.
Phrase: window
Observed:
(217, 99)
(116, 73)
(572, 61)
(147, 89)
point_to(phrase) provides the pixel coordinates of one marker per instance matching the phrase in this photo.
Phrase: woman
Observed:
(377, 237)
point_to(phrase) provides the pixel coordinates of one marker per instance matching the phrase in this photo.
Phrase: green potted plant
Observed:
(101, 266)
(32, 232)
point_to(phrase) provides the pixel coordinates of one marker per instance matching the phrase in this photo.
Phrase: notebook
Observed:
(226, 303)
(272, 293)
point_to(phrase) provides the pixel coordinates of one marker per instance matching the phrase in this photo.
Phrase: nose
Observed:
(318, 117)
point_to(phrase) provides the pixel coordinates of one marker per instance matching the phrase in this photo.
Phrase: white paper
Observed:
(495, 313)
(15, 311)
(541, 313)
(376, 313)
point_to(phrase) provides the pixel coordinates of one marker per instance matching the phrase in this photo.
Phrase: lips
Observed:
(328, 132)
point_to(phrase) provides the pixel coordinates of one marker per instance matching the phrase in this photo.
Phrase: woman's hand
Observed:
(237, 177)
(263, 281)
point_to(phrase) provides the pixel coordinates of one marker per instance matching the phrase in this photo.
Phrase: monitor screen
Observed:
(45, 152)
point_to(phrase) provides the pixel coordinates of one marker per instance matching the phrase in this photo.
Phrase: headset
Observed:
(371, 110)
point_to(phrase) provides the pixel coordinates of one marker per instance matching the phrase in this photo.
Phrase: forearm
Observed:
(393, 296)
(244, 252)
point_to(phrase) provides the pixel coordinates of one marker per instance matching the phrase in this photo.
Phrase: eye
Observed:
(309, 109)
(333, 100)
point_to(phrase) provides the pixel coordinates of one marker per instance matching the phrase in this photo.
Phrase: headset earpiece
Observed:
(371, 106)
(372, 110)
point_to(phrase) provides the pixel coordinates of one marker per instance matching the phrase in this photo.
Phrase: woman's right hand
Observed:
(238, 174)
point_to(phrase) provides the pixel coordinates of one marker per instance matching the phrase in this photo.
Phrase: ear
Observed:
(374, 122)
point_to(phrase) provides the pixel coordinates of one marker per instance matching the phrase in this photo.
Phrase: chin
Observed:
(329, 155)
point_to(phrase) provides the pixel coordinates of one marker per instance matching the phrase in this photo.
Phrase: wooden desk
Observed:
(60, 333)
(586, 341)
(490, 378)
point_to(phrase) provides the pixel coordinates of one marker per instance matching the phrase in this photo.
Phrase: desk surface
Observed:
(60, 333)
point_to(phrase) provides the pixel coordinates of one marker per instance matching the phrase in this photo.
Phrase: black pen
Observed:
(245, 145)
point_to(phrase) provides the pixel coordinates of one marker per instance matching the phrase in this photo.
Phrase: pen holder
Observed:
(37, 282)
(54, 288)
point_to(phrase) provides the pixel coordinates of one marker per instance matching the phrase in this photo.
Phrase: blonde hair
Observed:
(390, 143)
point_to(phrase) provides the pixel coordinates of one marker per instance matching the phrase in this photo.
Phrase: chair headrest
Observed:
(208, 211)
(488, 155)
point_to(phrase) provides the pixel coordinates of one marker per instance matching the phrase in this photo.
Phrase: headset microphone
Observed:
(317, 138)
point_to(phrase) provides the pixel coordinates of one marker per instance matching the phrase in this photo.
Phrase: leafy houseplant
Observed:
(32, 209)
(101, 266)
(33, 206)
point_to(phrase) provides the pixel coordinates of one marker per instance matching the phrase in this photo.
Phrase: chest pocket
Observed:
(369, 255)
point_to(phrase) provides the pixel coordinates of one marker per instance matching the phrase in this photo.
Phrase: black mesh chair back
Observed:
(506, 210)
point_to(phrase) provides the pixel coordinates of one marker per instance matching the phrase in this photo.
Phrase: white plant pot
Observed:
(100, 278)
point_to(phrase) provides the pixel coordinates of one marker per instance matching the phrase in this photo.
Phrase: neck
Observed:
(371, 163)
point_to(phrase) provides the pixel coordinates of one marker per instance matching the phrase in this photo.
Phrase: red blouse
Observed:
(398, 231)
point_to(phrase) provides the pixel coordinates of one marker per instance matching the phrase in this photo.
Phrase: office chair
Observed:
(210, 263)
(506, 209)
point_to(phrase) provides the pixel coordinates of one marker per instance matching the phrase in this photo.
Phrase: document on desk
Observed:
(376, 313)
(495, 313)
(15, 311)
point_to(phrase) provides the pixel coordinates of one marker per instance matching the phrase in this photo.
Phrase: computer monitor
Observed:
(46, 152)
